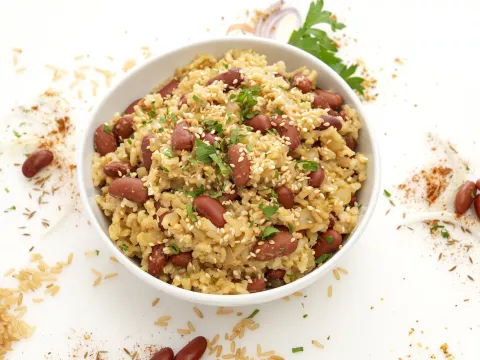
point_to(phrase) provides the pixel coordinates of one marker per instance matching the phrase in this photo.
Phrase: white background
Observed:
(436, 91)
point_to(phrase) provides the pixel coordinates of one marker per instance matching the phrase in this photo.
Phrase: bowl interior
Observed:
(140, 82)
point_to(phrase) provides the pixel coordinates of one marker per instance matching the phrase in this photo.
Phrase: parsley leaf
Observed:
(307, 165)
(168, 152)
(269, 211)
(445, 234)
(197, 192)
(174, 248)
(234, 136)
(255, 312)
(269, 231)
(329, 239)
(198, 100)
(190, 213)
(297, 349)
(203, 151)
(278, 112)
(106, 129)
(124, 247)
(213, 125)
(319, 44)
(290, 229)
(216, 195)
(246, 98)
(221, 165)
(386, 193)
(322, 258)
(435, 227)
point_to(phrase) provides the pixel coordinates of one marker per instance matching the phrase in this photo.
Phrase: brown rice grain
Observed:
(329, 291)
(268, 353)
(342, 270)
(184, 331)
(111, 275)
(190, 326)
(37, 300)
(336, 274)
(198, 312)
(114, 259)
(317, 344)
(259, 350)
(298, 293)
(219, 351)
(155, 301)
(232, 346)
(97, 281)
(161, 323)
(9, 272)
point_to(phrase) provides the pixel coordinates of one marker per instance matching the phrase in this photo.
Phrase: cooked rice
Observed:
(222, 260)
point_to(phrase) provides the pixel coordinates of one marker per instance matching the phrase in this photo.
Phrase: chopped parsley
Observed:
(234, 136)
(305, 316)
(246, 98)
(292, 276)
(290, 229)
(445, 234)
(252, 315)
(278, 112)
(18, 135)
(191, 162)
(329, 239)
(190, 213)
(297, 349)
(467, 168)
(269, 231)
(106, 129)
(435, 227)
(224, 169)
(225, 65)
(124, 247)
(307, 165)
(250, 147)
(197, 192)
(273, 131)
(129, 141)
(164, 168)
(269, 210)
(216, 195)
(173, 118)
(251, 224)
(322, 258)
(6, 190)
(174, 249)
(98, 252)
(386, 193)
(168, 152)
(203, 151)
(198, 100)
(319, 44)
(11, 208)
(213, 125)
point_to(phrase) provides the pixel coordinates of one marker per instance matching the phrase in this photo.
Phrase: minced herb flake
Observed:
(252, 315)
(269, 231)
(198, 100)
(168, 152)
(190, 213)
(197, 192)
(307, 165)
(269, 210)
(386, 193)
(297, 349)
(322, 258)
(174, 249)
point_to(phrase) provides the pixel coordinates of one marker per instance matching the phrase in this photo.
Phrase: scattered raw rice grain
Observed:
(317, 344)
(155, 301)
(268, 353)
(336, 274)
(222, 311)
(286, 298)
(111, 275)
(232, 346)
(198, 312)
(96, 272)
(190, 326)
(471, 278)
(453, 268)
(184, 331)
(164, 318)
(329, 291)
(114, 259)
(276, 357)
(161, 323)
(37, 300)
(78, 57)
(70, 258)
(259, 350)
(229, 356)
(74, 84)
(9, 272)
(97, 281)
(219, 351)
(298, 293)
(20, 70)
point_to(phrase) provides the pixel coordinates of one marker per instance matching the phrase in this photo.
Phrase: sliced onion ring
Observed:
(267, 27)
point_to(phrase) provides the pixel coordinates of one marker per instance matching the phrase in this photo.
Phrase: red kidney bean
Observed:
(324, 247)
(282, 245)
(182, 139)
(123, 128)
(256, 285)
(333, 100)
(157, 260)
(160, 219)
(130, 109)
(211, 209)
(182, 259)
(260, 123)
(476, 205)
(284, 78)
(353, 200)
(182, 101)
(164, 354)
(343, 114)
(169, 88)
(146, 152)
(193, 350)
(350, 142)
(465, 196)
(105, 142)
(231, 197)
(285, 196)
(285, 129)
(275, 274)
(281, 228)
(131, 189)
(232, 78)
(208, 137)
(477, 184)
(316, 177)
(319, 102)
(117, 169)
(36, 162)
(301, 82)
(330, 121)
(237, 158)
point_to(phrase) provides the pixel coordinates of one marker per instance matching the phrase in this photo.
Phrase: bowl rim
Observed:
(240, 299)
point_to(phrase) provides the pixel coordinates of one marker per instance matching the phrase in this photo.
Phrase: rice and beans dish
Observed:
(232, 177)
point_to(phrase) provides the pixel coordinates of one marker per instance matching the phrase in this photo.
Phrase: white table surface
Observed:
(436, 91)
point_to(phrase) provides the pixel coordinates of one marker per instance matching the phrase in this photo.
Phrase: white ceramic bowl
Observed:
(141, 80)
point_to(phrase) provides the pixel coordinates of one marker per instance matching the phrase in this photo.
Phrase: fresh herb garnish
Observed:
(297, 349)
(445, 234)
(198, 100)
(269, 210)
(435, 227)
(292, 276)
(213, 125)
(197, 192)
(278, 112)
(97, 252)
(6, 190)
(164, 168)
(319, 44)
(272, 131)
(174, 249)
(234, 136)
(190, 213)
(203, 151)
(249, 147)
(129, 141)
(269, 231)
(10, 208)
(255, 312)
(305, 316)
(329, 239)
(307, 165)
(224, 169)
(216, 195)
(290, 229)
(124, 247)
(251, 224)
(322, 258)
(191, 162)
(168, 152)
(106, 129)
(246, 98)
(386, 193)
